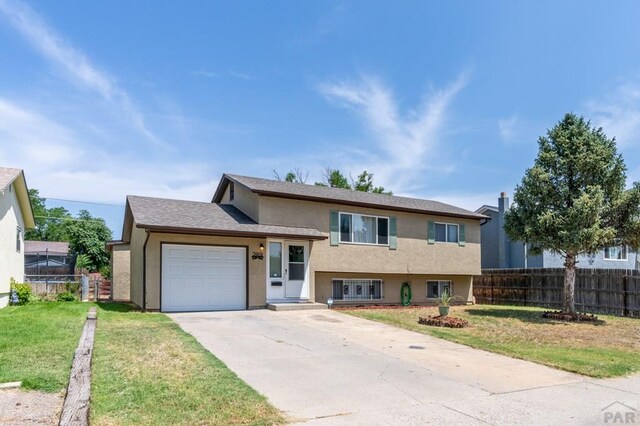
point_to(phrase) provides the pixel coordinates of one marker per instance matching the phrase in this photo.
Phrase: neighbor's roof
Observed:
(342, 196)
(487, 207)
(196, 217)
(9, 175)
(51, 247)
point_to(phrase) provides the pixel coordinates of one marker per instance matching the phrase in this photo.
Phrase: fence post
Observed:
(85, 287)
(625, 295)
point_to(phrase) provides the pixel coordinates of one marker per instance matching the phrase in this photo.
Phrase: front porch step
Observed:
(301, 306)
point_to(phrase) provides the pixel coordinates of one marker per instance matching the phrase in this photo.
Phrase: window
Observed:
(446, 232)
(232, 191)
(357, 289)
(615, 253)
(18, 239)
(275, 260)
(355, 228)
(435, 289)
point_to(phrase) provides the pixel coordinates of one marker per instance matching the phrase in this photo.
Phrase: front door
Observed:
(295, 271)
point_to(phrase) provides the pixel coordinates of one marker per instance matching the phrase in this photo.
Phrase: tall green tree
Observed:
(573, 200)
(87, 236)
(364, 183)
(49, 222)
(334, 178)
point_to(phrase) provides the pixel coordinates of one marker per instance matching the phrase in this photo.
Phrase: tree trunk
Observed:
(568, 298)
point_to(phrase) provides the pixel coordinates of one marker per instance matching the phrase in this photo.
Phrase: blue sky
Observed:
(440, 100)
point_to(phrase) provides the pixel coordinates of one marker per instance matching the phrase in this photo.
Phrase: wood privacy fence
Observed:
(602, 291)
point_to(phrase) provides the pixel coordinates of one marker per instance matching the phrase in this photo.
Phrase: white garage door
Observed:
(203, 278)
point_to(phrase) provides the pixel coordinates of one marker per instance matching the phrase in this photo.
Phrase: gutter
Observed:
(144, 272)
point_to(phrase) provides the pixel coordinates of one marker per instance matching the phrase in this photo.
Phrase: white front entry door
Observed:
(287, 271)
(296, 285)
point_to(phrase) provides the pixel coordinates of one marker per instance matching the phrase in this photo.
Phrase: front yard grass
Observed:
(608, 348)
(37, 343)
(147, 371)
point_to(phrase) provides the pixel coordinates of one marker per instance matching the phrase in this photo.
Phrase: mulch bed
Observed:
(441, 321)
(563, 316)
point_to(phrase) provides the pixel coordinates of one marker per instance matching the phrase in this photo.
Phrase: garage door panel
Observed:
(200, 278)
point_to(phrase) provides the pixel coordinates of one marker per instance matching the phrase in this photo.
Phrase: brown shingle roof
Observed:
(343, 196)
(7, 176)
(52, 247)
(206, 218)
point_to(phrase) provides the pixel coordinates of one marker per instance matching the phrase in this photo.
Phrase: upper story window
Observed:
(232, 191)
(363, 229)
(615, 253)
(18, 239)
(447, 232)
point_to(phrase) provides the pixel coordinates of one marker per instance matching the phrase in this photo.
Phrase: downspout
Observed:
(144, 272)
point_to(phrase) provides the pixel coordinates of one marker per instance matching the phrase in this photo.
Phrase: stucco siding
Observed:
(11, 260)
(245, 201)
(256, 267)
(121, 273)
(412, 256)
(136, 245)
(392, 284)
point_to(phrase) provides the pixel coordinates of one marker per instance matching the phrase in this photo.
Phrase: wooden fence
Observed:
(602, 291)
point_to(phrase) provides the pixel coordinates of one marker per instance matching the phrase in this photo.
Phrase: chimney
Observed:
(503, 241)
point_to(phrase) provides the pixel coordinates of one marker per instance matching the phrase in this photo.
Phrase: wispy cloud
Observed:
(228, 73)
(508, 128)
(61, 164)
(618, 113)
(75, 65)
(205, 73)
(405, 142)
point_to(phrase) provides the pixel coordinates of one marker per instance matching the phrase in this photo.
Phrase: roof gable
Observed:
(341, 196)
(9, 176)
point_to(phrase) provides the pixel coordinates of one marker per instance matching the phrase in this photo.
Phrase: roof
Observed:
(51, 247)
(485, 208)
(342, 196)
(9, 175)
(182, 216)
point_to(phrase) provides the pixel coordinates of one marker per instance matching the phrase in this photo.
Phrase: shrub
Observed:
(22, 292)
(105, 271)
(72, 287)
(66, 297)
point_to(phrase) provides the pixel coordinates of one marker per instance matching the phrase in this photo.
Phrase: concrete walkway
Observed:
(328, 368)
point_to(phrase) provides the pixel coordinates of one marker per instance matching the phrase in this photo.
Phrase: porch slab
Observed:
(296, 306)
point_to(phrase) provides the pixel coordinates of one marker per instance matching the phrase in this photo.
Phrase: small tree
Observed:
(334, 178)
(573, 200)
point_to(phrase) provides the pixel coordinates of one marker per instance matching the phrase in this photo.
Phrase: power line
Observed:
(70, 218)
(84, 202)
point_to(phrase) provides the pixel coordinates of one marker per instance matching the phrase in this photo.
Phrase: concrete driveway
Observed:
(324, 367)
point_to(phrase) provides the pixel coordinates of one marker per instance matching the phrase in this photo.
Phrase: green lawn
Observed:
(608, 348)
(146, 370)
(37, 343)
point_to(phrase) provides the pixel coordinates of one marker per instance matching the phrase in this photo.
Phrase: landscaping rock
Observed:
(442, 321)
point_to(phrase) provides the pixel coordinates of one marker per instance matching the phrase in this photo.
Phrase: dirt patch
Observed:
(18, 407)
(360, 307)
(441, 321)
(563, 316)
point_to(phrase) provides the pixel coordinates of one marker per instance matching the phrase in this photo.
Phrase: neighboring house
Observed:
(498, 251)
(262, 241)
(47, 258)
(16, 216)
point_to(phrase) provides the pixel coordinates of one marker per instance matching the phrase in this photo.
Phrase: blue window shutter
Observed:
(334, 219)
(431, 232)
(393, 239)
(461, 235)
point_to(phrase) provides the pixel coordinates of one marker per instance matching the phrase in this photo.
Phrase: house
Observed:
(16, 216)
(499, 252)
(47, 258)
(261, 242)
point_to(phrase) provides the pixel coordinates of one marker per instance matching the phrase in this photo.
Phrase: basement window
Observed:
(357, 289)
(435, 289)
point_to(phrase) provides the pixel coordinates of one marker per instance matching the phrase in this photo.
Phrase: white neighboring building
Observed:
(15, 217)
